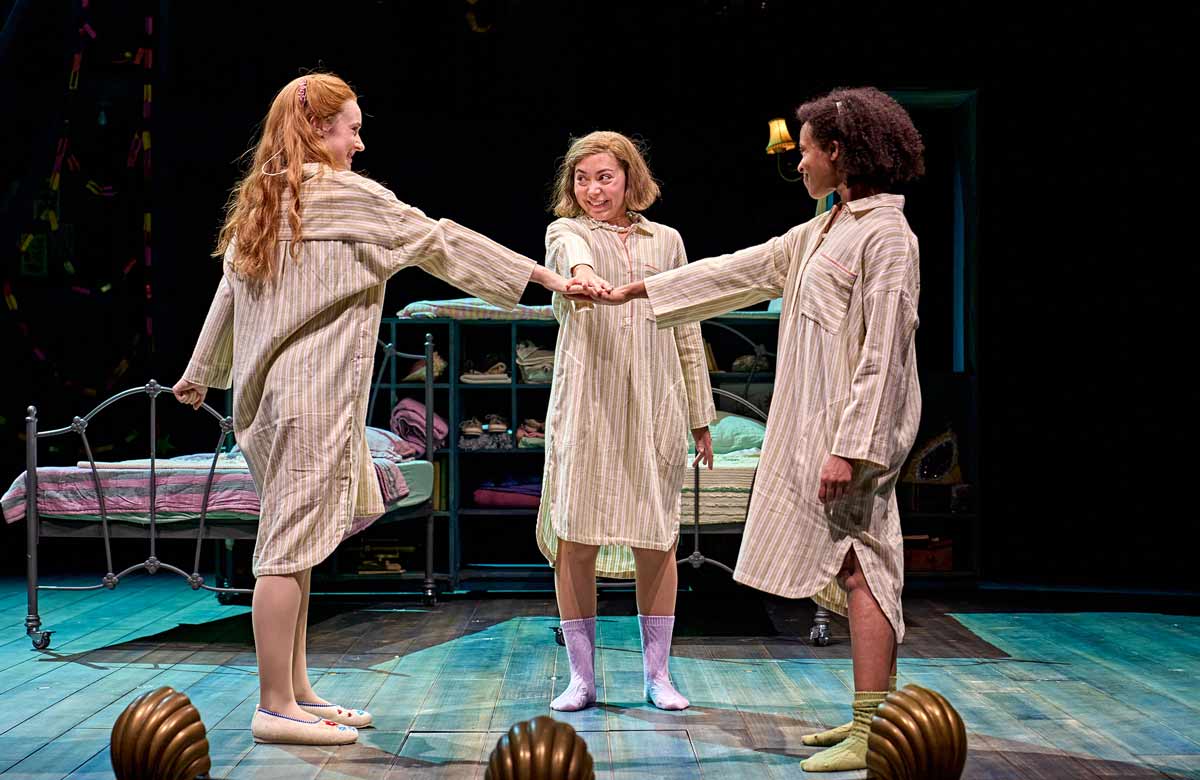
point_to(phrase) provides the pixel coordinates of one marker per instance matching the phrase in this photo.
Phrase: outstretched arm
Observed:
(711, 287)
(461, 257)
(212, 359)
(689, 344)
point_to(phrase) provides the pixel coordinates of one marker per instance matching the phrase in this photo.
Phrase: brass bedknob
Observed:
(160, 736)
(916, 735)
(540, 749)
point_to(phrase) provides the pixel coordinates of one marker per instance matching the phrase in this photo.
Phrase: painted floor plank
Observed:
(657, 753)
(1045, 695)
(441, 755)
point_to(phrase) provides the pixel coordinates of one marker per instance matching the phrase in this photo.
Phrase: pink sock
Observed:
(656, 653)
(580, 639)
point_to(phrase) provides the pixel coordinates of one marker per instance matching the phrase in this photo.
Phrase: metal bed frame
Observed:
(201, 529)
(819, 633)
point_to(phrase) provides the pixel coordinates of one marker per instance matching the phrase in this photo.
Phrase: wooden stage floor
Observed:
(1047, 690)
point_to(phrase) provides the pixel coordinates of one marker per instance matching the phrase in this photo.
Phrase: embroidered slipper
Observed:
(273, 728)
(494, 423)
(471, 427)
(497, 374)
(357, 718)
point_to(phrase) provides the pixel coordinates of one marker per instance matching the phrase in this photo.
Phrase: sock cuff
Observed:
(657, 620)
(577, 623)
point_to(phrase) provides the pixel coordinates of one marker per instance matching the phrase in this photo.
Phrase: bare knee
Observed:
(288, 580)
(643, 555)
(572, 554)
(850, 576)
(855, 581)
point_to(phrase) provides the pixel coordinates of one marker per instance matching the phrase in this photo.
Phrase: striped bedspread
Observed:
(70, 492)
(724, 491)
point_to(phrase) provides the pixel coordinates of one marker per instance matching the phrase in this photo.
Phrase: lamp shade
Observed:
(781, 140)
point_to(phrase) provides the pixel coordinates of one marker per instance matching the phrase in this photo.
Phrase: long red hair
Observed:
(289, 139)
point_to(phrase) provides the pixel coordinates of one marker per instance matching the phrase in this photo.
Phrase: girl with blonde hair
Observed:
(623, 398)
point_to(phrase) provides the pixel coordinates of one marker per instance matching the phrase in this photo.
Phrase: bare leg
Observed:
(305, 695)
(274, 612)
(575, 580)
(657, 581)
(300, 684)
(873, 650)
(575, 585)
(872, 640)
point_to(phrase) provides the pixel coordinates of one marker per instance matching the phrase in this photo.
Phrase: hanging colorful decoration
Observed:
(92, 188)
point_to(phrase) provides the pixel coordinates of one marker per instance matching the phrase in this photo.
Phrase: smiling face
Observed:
(821, 176)
(600, 187)
(343, 135)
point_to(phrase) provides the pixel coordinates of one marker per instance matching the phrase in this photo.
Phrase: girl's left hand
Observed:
(835, 479)
(704, 446)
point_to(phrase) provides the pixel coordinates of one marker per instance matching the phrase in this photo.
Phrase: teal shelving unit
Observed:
(461, 568)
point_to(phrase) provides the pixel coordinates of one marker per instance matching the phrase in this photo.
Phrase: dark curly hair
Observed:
(880, 147)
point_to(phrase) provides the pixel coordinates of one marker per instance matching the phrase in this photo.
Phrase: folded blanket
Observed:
(535, 364)
(408, 422)
(500, 498)
(473, 309)
(485, 441)
(531, 486)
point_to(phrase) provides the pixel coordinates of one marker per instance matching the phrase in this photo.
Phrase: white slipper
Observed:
(356, 718)
(273, 728)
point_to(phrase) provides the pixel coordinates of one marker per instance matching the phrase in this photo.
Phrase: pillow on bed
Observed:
(732, 432)
(385, 444)
(381, 443)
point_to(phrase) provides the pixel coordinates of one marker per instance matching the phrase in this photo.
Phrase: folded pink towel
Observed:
(408, 422)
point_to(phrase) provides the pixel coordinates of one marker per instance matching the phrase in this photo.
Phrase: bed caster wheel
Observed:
(225, 598)
(40, 639)
(429, 599)
(819, 635)
(558, 637)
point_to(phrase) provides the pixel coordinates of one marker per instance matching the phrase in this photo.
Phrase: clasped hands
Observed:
(588, 286)
(837, 474)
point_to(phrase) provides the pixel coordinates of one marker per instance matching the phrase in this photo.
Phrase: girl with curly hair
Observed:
(308, 246)
(823, 519)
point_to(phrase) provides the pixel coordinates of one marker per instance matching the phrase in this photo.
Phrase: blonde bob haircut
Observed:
(641, 190)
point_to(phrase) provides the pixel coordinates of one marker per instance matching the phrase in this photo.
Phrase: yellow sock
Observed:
(851, 753)
(832, 736)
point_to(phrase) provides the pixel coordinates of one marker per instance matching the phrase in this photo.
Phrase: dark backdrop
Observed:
(1080, 147)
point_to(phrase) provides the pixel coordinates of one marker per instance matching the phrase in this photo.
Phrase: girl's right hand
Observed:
(593, 284)
(189, 393)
